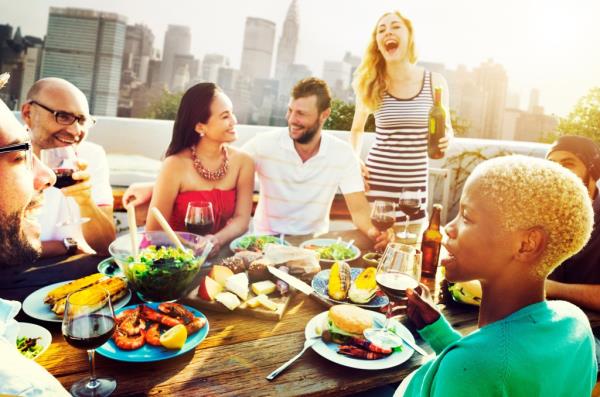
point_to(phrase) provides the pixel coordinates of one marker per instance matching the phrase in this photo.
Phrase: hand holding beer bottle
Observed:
(437, 126)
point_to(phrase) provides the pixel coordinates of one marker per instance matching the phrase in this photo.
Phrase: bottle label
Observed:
(432, 125)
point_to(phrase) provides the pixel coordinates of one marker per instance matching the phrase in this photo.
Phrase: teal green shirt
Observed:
(544, 349)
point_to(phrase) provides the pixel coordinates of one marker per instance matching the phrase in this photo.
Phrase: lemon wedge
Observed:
(174, 338)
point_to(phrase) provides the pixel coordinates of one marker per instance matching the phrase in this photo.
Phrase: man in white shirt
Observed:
(23, 178)
(57, 114)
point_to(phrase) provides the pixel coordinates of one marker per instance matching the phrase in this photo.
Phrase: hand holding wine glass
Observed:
(64, 162)
(383, 214)
(199, 218)
(89, 322)
(398, 270)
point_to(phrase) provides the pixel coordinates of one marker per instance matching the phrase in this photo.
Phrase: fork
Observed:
(308, 343)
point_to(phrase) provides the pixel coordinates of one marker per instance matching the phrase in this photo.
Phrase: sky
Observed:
(551, 45)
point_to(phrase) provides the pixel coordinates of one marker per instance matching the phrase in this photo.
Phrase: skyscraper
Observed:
(493, 81)
(288, 42)
(85, 47)
(257, 54)
(211, 65)
(139, 41)
(178, 40)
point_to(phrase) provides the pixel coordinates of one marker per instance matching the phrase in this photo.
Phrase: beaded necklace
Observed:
(207, 174)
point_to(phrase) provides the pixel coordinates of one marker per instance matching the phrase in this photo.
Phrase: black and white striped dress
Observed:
(398, 158)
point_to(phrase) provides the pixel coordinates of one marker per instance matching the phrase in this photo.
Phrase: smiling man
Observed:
(301, 169)
(23, 178)
(57, 115)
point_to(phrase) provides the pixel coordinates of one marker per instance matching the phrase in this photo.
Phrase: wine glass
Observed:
(88, 322)
(199, 218)
(383, 214)
(398, 269)
(63, 162)
(410, 204)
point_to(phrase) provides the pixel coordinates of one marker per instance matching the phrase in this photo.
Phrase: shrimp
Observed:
(153, 335)
(152, 315)
(127, 342)
(186, 317)
(357, 352)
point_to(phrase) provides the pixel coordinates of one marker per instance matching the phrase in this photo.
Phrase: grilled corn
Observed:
(94, 295)
(61, 292)
(340, 279)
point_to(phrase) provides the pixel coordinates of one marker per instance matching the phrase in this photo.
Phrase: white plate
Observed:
(324, 242)
(329, 350)
(30, 330)
(35, 307)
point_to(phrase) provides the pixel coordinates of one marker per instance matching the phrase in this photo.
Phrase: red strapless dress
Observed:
(223, 203)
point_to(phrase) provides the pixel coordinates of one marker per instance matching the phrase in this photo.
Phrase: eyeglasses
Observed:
(66, 118)
(19, 147)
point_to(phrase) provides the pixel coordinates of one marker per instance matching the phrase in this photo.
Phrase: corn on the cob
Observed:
(93, 295)
(364, 287)
(339, 281)
(61, 292)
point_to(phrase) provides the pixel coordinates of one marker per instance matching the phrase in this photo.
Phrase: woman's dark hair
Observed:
(193, 109)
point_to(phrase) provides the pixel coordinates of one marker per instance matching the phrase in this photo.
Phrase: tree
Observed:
(165, 108)
(584, 119)
(341, 117)
(460, 126)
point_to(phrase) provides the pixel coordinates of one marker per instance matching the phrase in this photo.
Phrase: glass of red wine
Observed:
(383, 214)
(398, 269)
(63, 161)
(199, 218)
(410, 204)
(89, 322)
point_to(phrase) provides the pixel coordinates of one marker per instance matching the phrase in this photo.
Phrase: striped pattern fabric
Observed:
(398, 158)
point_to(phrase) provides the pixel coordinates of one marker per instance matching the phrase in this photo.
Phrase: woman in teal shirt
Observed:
(519, 218)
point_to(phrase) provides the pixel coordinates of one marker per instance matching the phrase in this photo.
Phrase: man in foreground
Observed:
(57, 114)
(23, 178)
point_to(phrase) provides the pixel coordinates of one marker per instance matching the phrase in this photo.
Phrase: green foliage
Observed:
(341, 117)
(165, 108)
(584, 119)
(460, 126)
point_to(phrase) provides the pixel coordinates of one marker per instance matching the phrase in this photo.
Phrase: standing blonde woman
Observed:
(389, 85)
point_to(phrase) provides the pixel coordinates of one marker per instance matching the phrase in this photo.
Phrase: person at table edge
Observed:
(300, 170)
(23, 178)
(57, 114)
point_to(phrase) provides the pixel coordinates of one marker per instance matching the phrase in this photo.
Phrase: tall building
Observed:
(338, 75)
(185, 71)
(211, 65)
(85, 47)
(288, 42)
(493, 81)
(178, 40)
(31, 65)
(138, 50)
(534, 102)
(257, 54)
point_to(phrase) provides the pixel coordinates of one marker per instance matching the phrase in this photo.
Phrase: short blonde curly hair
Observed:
(533, 192)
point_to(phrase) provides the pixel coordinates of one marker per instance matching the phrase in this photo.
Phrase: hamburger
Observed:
(344, 321)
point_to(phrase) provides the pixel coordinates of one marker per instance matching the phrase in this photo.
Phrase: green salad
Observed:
(256, 243)
(335, 251)
(162, 273)
(29, 346)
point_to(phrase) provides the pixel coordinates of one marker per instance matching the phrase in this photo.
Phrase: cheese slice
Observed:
(265, 287)
(238, 284)
(228, 299)
(252, 302)
(266, 302)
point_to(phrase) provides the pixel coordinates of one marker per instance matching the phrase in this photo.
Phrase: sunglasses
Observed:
(20, 147)
(66, 118)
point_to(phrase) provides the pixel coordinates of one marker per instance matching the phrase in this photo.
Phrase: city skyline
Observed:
(542, 44)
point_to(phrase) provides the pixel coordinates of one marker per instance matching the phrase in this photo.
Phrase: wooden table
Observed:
(235, 357)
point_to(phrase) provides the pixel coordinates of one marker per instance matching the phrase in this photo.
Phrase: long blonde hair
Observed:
(369, 78)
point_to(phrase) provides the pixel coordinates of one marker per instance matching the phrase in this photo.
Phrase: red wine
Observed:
(201, 229)
(395, 284)
(383, 222)
(64, 177)
(410, 207)
(89, 331)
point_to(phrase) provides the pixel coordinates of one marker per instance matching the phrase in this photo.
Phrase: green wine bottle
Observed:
(437, 125)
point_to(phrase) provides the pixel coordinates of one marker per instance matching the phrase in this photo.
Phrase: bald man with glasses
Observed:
(57, 115)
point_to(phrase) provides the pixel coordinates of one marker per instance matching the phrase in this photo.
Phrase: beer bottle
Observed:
(431, 243)
(437, 125)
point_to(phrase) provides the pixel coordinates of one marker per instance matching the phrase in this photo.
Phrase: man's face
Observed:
(20, 195)
(304, 119)
(573, 163)
(46, 132)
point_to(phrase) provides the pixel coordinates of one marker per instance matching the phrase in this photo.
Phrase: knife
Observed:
(298, 284)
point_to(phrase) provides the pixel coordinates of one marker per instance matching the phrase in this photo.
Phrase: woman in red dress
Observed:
(201, 166)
